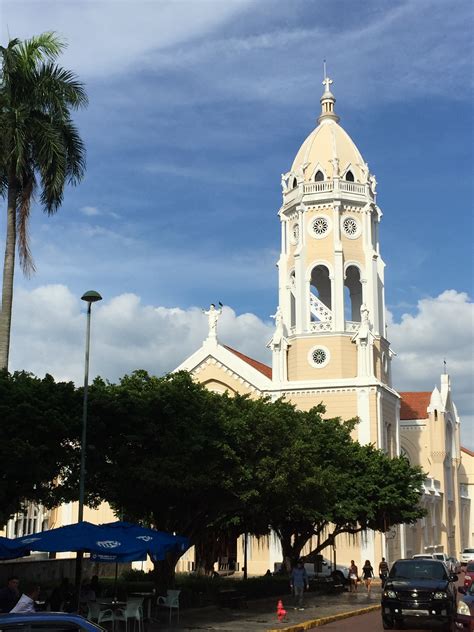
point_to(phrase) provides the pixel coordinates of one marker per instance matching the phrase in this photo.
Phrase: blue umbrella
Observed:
(158, 544)
(114, 542)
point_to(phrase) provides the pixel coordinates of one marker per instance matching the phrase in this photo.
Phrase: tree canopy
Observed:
(171, 454)
(37, 426)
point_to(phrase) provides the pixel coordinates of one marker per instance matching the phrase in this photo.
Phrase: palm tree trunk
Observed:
(8, 273)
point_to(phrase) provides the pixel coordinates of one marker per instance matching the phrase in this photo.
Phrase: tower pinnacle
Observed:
(327, 101)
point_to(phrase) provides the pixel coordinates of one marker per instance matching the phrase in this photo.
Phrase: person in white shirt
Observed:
(28, 598)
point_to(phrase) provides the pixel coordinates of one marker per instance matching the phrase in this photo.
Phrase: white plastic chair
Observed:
(93, 611)
(171, 601)
(133, 610)
(106, 616)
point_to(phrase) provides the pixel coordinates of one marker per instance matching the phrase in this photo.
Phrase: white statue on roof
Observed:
(213, 315)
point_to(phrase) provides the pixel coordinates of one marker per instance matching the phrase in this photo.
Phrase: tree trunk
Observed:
(164, 573)
(8, 274)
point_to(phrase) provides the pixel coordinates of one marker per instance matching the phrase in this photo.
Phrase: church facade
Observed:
(330, 343)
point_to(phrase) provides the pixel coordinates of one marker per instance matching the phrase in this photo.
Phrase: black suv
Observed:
(420, 590)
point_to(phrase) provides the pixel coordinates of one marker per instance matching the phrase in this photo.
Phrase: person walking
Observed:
(353, 576)
(383, 571)
(367, 575)
(298, 582)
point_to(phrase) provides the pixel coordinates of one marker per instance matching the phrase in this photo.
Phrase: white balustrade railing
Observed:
(326, 186)
(352, 325)
(351, 187)
(318, 187)
(326, 326)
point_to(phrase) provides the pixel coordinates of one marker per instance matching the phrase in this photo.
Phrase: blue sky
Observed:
(196, 108)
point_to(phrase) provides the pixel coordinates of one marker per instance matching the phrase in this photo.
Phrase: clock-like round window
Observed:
(320, 226)
(351, 228)
(318, 356)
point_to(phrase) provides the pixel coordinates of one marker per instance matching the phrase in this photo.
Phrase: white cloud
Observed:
(108, 36)
(49, 329)
(441, 328)
(90, 211)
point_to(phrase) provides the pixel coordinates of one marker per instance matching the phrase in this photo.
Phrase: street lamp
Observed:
(90, 297)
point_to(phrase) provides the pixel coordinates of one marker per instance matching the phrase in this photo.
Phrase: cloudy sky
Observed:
(196, 108)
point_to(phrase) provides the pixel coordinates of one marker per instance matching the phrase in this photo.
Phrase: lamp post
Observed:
(90, 297)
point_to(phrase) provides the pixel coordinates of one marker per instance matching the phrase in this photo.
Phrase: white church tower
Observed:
(329, 344)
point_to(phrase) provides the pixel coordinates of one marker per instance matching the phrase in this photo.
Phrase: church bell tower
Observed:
(330, 324)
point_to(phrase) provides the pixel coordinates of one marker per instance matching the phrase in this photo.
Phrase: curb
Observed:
(316, 623)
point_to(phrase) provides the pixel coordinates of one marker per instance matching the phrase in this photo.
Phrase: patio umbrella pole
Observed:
(78, 577)
(115, 582)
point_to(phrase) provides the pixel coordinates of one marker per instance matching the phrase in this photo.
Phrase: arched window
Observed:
(436, 415)
(321, 283)
(319, 177)
(352, 294)
(295, 183)
(350, 176)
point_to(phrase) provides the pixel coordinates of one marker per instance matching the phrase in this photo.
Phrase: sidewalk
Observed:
(260, 615)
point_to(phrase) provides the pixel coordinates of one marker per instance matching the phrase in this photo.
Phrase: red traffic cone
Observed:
(281, 612)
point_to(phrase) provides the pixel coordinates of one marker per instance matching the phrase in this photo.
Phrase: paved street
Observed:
(371, 622)
(260, 615)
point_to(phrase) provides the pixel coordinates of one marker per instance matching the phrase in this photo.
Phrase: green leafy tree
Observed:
(37, 439)
(39, 147)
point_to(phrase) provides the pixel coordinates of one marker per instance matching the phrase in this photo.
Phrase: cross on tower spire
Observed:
(327, 82)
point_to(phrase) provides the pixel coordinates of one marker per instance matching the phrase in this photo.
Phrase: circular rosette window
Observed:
(319, 226)
(351, 227)
(318, 356)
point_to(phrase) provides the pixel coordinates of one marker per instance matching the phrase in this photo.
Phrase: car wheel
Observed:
(340, 577)
(387, 623)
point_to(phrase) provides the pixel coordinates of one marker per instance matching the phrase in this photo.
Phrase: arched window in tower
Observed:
(319, 177)
(352, 294)
(350, 176)
(295, 183)
(292, 310)
(320, 288)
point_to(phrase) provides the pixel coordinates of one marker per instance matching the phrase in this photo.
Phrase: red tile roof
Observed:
(414, 405)
(263, 368)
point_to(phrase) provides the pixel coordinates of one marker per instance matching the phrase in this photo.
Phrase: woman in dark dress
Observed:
(367, 575)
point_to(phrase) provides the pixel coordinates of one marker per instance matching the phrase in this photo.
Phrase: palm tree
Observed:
(40, 148)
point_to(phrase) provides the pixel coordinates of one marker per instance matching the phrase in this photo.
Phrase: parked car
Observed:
(469, 574)
(423, 556)
(467, 555)
(465, 609)
(46, 621)
(340, 572)
(419, 590)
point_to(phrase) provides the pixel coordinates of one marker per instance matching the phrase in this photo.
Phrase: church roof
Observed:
(467, 451)
(415, 405)
(263, 368)
(329, 141)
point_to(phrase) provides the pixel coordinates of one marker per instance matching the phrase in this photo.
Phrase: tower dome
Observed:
(329, 149)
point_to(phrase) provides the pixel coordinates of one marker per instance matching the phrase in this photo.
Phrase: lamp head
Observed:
(91, 297)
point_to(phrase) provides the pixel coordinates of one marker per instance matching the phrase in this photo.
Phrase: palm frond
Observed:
(47, 46)
(23, 215)
(57, 89)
